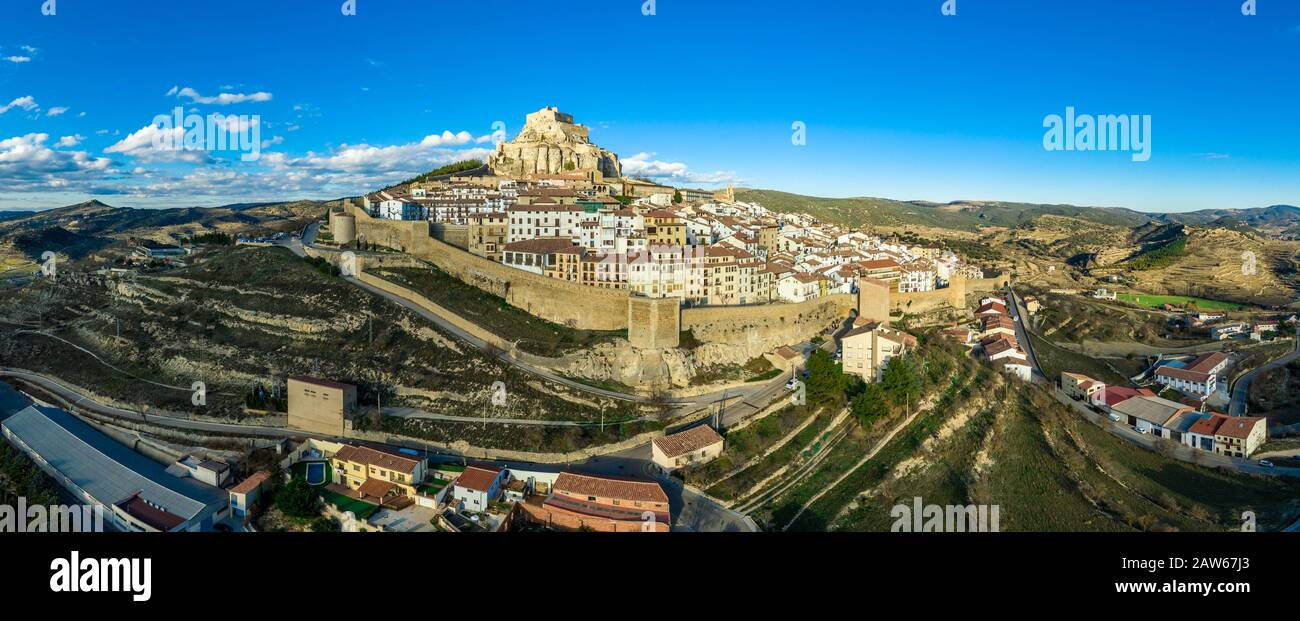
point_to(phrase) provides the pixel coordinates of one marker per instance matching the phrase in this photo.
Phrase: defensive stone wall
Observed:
(455, 234)
(951, 297)
(557, 301)
(651, 324)
(654, 323)
(768, 326)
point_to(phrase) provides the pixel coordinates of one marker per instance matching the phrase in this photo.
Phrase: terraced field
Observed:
(243, 318)
(989, 443)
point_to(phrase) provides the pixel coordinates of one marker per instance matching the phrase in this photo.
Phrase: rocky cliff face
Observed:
(551, 143)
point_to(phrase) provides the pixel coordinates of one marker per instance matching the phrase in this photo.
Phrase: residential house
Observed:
(377, 475)
(601, 503)
(869, 346)
(1200, 376)
(246, 492)
(1239, 436)
(697, 445)
(477, 487)
(1081, 387)
(535, 256)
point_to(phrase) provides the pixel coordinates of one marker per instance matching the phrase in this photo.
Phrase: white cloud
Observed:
(151, 143)
(29, 49)
(27, 164)
(69, 141)
(222, 99)
(56, 111)
(410, 157)
(642, 165)
(18, 59)
(26, 103)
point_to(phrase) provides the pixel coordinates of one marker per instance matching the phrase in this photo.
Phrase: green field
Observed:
(1158, 301)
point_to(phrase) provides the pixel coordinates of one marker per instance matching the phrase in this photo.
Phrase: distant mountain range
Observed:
(972, 216)
(78, 230)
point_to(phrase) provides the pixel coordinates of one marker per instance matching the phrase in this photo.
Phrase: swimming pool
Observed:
(316, 473)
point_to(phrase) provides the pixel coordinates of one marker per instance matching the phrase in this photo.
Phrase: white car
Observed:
(1116, 417)
(792, 384)
(1266, 463)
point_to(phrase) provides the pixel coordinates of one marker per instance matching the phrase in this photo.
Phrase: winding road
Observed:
(756, 392)
(1241, 390)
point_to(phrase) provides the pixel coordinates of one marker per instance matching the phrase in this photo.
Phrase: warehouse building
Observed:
(137, 493)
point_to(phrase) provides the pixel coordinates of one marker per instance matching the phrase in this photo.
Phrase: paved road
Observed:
(691, 511)
(84, 402)
(1181, 452)
(750, 393)
(1241, 390)
(1018, 313)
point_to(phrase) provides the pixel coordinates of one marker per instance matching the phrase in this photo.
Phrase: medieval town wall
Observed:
(768, 326)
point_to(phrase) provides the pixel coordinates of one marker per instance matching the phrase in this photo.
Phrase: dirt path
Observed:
(881, 444)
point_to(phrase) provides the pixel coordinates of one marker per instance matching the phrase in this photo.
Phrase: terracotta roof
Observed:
(376, 488)
(1238, 426)
(371, 457)
(1183, 374)
(688, 441)
(251, 483)
(1113, 395)
(997, 321)
(478, 478)
(1209, 425)
(608, 487)
(998, 346)
(1206, 362)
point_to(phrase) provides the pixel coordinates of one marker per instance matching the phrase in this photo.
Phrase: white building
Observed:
(477, 487)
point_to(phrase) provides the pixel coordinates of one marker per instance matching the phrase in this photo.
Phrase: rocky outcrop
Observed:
(551, 143)
(668, 368)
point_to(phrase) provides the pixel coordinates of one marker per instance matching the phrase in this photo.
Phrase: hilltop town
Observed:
(573, 217)
(541, 342)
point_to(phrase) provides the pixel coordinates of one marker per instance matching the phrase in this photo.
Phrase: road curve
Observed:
(1241, 389)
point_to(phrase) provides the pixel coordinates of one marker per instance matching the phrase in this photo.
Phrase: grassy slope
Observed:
(958, 216)
(1052, 471)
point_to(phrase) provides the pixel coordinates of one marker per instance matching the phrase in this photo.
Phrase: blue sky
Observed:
(899, 100)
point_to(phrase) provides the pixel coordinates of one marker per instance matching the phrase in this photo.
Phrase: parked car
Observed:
(1266, 463)
(1116, 417)
(792, 384)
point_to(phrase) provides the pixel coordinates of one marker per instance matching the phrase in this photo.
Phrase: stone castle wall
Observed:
(557, 301)
(654, 323)
(952, 297)
(768, 326)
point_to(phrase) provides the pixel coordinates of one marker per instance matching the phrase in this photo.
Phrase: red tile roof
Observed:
(608, 487)
(1238, 426)
(251, 483)
(371, 457)
(1209, 425)
(478, 478)
(688, 441)
(1206, 362)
